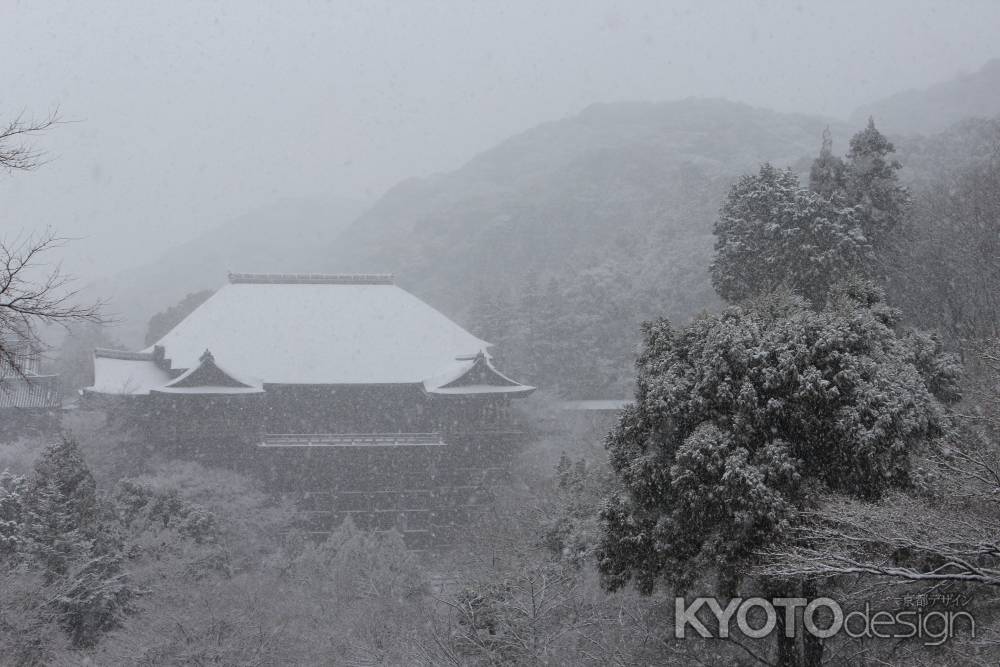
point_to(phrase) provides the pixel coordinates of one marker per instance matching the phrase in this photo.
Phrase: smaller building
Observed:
(593, 414)
(29, 400)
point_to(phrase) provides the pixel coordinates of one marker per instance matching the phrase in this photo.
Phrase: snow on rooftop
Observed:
(498, 384)
(236, 385)
(115, 375)
(318, 329)
(312, 278)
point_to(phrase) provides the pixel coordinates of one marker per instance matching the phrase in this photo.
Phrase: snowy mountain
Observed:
(632, 185)
(604, 218)
(939, 106)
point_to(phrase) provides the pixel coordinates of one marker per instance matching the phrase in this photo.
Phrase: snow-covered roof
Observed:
(35, 391)
(121, 374)
(209, 378)
(474, 374)
(305, 329)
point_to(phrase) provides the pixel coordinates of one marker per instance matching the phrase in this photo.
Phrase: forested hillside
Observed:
(948, 278)
(556, 244)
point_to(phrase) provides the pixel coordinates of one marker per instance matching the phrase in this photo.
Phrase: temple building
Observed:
(30, 404)
(344, 387)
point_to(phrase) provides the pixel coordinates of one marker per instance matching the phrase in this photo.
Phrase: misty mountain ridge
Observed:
(938, 107)
(613, 151)
(709, 132)
(558, 196)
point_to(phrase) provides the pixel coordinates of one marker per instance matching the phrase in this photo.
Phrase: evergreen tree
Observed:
(60, 508)
(64, 538)
(93, 598)
(772, 233)
(872, 185)
(744, 418)
(12, 490)
(828, 172)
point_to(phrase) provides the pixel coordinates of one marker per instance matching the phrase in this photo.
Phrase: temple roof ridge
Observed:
(311, 278)
(124, 355)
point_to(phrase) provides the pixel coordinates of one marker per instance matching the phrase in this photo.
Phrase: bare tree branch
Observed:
(15, 152)
(35, 293)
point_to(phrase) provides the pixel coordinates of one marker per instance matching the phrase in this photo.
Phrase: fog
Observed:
(461, 333)
(181, 115)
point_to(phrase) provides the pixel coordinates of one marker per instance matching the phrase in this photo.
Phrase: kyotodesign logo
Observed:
(823, 617)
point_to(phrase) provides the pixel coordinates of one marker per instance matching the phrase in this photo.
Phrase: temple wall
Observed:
(426, 491)
(337, 409)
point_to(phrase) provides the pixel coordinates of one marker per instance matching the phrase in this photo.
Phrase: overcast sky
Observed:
(188, 114)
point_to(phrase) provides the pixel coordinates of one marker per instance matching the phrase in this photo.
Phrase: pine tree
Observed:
(60, 508)
(872, 184)
(93, 598)
(64, 538)
(12, 490)
(828, 172)
(772, 234)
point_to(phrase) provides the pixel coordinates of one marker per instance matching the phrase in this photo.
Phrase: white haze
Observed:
(187, 114)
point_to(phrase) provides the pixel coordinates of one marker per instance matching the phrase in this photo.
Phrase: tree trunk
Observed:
(812, 647)
(787, 647)
(788, 651)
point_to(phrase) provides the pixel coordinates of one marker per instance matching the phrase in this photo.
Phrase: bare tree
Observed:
(949, 531)
(15, 152)
(33, 291)
(902, 541)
